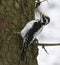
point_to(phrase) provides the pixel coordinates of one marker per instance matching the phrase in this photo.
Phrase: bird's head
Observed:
(46, 19)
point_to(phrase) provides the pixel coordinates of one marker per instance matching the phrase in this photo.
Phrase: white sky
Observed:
(50, 33)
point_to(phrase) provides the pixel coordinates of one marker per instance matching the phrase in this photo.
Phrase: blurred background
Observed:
(50, 33)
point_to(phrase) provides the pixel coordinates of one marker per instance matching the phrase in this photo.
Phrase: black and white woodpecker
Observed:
(32, 30)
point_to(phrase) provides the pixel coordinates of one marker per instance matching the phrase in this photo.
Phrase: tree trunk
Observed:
(14, 14)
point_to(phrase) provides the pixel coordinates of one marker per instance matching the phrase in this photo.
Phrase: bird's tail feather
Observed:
(23, 54)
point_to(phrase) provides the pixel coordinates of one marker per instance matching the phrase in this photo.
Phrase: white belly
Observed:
(36, 34)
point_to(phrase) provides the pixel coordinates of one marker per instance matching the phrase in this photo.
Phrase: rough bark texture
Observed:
(14, 14)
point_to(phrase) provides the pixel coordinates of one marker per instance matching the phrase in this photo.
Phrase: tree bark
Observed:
(14, 14)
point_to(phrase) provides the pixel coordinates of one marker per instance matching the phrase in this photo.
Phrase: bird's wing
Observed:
(38, 32)
(27, 27)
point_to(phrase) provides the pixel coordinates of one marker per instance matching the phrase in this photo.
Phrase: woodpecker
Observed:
(32, 30)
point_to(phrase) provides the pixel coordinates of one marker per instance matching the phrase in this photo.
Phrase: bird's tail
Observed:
(23, 54)
(25, 46)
